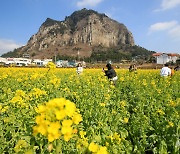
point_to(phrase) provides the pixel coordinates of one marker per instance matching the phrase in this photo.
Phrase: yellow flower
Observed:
(125, 120)
(53, 136)
(41, 109)
(77, 118)
(121, 78)
(4, 109)
(55, 82)
(7, 119)
(171, 124)
(102, 150)
(67, 123)
(42, 129)
(144, 82)
(54, 128)
(51, 65)
(153, 82)
(82, 134)
(16, 99)
(70, 108)
(66, 130)
(172, 103)
(107, 144)
(52, 119)
(161, 112)
(60, 114)
(112, 86)
(110, 137)
(93, 147)
(123, 104)
(35, 130)
(40, 119)
(36, 92)
(20, 144)
(116, 136)
(102, 104)
(75, 131)
(114, 111)
(20, 93)
(60, 102)
(29, 152)
(67, 137)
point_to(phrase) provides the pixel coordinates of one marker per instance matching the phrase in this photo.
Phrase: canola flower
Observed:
(51, 65)
(115, 137)
(136, 110)
(82, 142)
(125, 120)
(55, 81)
(170, 124)
(57, 118)
(96, 149)
(160, 111)
(20, 145)
(36, 93)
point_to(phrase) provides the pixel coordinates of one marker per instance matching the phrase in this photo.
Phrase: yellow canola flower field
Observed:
(51, 110)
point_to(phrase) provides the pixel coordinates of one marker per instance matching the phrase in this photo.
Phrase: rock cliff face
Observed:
(78, 33)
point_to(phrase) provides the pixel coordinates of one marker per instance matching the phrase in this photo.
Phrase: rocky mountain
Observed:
(77, 35)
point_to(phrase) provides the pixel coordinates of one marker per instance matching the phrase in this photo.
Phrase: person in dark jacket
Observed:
(110, 73)
(132, 68)
(177, 68)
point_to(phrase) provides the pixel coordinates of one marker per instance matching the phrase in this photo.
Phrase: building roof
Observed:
(169, 54)
(173, 54)
(157, 54)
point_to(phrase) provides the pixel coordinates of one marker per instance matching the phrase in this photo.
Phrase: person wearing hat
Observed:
(110, 73)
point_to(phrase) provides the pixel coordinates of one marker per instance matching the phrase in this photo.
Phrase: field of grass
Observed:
(48, 110)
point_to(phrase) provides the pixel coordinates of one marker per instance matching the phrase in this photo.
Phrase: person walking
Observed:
(110, 73)
(79, 69)
(165, 71)
(133, 68)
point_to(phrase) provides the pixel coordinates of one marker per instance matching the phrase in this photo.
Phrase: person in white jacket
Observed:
(165, 71)
(79, 69)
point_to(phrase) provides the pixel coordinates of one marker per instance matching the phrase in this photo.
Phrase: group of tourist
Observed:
(112, 76)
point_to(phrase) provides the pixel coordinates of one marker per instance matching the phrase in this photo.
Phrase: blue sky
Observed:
(155, 24)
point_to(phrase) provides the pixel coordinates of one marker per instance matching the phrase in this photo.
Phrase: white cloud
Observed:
(172, 28)
(85, 3)
(168, 4)
(160, 26)
(8, 45)
(175, 32)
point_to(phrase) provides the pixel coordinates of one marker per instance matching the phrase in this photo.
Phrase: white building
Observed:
(16, 61)
(62, 63)
(40, 62)
(3, 60)
(163, 58)
(9, 61)
(24, 61)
